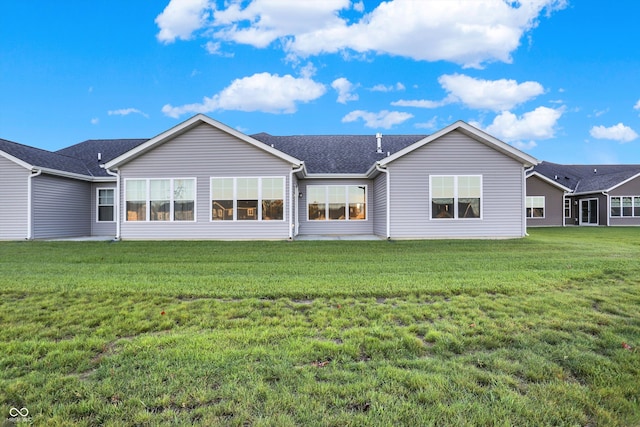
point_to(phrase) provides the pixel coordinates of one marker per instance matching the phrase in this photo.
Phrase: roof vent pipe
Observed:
(99, 156)
(378, 142)
(595, 171)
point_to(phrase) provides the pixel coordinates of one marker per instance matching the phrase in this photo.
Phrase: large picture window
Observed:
(625, 206)
(455, 196)
(106, 205)
(535, 206)
(247, 199)
(160, 199)
(337, 202)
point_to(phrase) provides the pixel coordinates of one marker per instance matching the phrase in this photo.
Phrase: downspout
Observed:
(388, 191)
(118, 197)
(524, 200)
(30, 204)
(293, 197)
(604, 193)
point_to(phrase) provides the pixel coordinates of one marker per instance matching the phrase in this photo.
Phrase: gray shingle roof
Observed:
(347, 154)
(587, 178)
(109, 149)
(43, 158)
(79, 159)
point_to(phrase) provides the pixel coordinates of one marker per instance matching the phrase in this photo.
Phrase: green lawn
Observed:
(537, 331)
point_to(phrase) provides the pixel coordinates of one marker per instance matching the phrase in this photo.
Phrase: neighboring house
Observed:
(559, 195)
(204, 180)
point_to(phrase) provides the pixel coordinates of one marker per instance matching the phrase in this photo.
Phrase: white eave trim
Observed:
(549, 181)
(69, 174)
(336, 176)
(189, 124)
(472, 132)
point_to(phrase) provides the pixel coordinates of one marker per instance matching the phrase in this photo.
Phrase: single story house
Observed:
(559, 195)
(205, 180)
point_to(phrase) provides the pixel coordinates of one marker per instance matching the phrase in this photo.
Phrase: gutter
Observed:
(29, 202)
(388, 191)
(117, 200)
(293, 197)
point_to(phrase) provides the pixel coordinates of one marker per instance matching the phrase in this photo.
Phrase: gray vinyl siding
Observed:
(336, 227)
(553, 203)
(379, 207)
(204, 152)
(456, 154)
(61, 207)
(631, 188)
(106, 229)
(13, 200)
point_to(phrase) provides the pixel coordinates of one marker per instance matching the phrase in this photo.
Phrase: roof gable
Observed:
(184, 127)
(473, 133)
(581, 179)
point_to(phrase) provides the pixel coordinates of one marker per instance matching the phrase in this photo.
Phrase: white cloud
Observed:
(534, 125)
(181, 18)
(431, 124)
(383, 119)
(637, 106)
(465, 32)
(469, 33)
(382, 88)
(345, 90)
(495, 95)
(269, 93)
(263, 21)
(618, 132)
(126, 112)
(421, 103)
(95, 121)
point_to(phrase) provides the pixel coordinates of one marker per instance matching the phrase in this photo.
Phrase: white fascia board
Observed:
(337, 176)
(549, 181)
(16, 160)
(472, 132)
(187, 125)
(66, 174)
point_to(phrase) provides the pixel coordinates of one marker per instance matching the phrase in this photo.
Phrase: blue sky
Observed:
(559, 79)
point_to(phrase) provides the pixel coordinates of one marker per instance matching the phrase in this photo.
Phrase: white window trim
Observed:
(171, 200)
(455, 199)
(346, 190)
(235, 199)
(544, 207)
(632, 207)
(115, 205)
(567, 205)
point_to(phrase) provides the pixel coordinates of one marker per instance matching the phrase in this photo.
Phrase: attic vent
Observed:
(378, 142)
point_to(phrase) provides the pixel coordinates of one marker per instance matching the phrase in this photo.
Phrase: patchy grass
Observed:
(535, 331)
